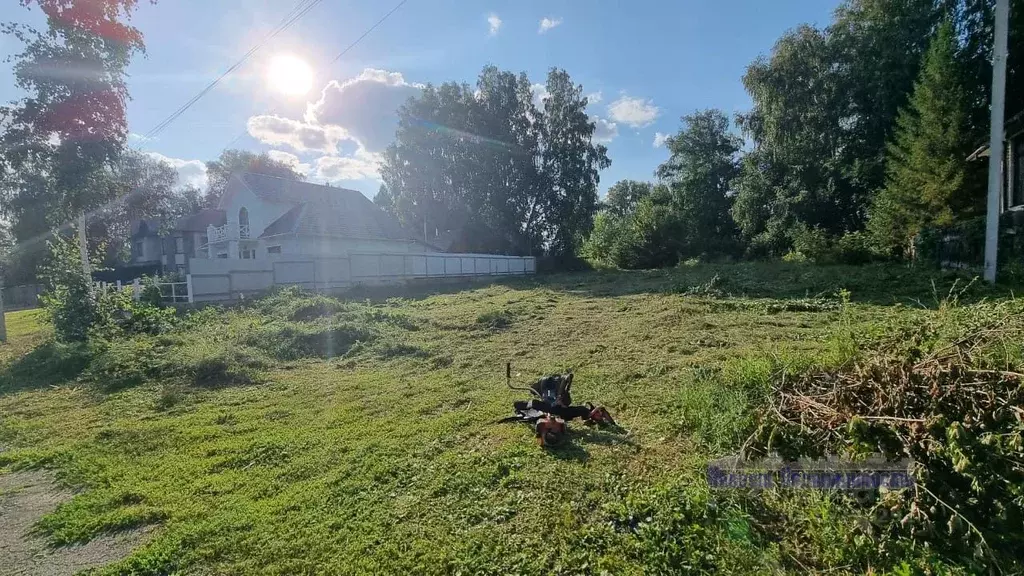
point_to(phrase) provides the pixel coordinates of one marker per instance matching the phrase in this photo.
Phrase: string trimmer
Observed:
(551, 407)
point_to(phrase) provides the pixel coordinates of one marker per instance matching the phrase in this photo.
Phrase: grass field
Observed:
(302, 435)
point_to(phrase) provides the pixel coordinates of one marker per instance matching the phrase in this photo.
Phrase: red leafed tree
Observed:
(62, 139)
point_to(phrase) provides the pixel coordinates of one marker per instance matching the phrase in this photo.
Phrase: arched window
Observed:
(243, 223)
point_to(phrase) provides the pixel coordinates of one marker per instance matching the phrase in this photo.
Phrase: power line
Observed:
(338, 57)
(368, 31)
(296, 13)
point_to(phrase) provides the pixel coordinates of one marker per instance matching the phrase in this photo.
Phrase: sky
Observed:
(643, 63)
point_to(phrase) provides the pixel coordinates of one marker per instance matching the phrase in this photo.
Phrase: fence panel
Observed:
(226, 279)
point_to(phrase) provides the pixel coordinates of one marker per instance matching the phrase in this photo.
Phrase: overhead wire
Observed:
(336, 58)
(293, 16)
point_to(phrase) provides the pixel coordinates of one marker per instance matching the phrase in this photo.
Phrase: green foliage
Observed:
(943, 393)
(624, 195)
(815, 245)
(490, 168)
(700, 169)
(685, 216)
(926, 182)
(63, 136)
(69, 302)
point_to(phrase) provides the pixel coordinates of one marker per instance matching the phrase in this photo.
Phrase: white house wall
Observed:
(261, 214)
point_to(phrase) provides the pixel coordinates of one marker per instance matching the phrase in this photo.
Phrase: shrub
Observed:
(69, 301)
(118, 314)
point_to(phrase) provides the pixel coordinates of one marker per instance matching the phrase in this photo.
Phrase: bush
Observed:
(69, 302)
(118, 314)
(816, 245)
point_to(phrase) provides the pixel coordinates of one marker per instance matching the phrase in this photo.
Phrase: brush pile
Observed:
(952, 404)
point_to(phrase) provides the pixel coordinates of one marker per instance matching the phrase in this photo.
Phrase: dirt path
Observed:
(24, 498)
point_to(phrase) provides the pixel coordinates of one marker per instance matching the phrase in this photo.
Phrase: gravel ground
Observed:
(25, 497)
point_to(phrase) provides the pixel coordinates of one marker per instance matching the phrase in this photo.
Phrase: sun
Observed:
(290, 75)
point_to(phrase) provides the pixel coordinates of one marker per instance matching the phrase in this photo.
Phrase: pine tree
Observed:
(926, 165)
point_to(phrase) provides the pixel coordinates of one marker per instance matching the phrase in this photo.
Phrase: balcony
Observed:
(227, 232)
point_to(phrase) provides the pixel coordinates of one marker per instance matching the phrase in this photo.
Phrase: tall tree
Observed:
(487, 165)
(570, 162)
(825, 103)
(62, 140)
(796, 125)
(702, 164)
(926, 176)
(232, 161)
(624, 196)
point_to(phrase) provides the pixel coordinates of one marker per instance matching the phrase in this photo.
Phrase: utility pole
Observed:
(83, 249)
(995, 147)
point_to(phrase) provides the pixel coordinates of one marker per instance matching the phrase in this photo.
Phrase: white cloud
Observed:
(133, 137)
(659, 139)
(291, 160)
(362, 165)
(634, 112)
(547, 24)
(190, 172)
(495, 24)
(364, 107)
(594, 97)
(301, 136)
(605, 131)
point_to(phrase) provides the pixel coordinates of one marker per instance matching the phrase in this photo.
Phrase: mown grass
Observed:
(303, 434)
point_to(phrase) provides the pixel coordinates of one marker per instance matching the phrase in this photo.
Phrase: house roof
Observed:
(324, 210)
(1012, 128)
(200, 220)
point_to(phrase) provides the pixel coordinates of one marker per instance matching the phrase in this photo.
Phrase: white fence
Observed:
(170, 292)
(229, 279)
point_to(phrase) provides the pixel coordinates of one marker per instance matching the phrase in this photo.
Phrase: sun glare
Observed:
(290, 75)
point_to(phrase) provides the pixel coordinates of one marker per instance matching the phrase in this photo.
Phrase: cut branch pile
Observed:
(957, 412)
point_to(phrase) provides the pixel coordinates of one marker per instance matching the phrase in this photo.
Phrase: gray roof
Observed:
(200, 220)
(324, 210)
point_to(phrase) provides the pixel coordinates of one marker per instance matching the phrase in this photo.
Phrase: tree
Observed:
(229, 162)
(570, 163)
(624, 196)
(146, 189)
(825, 103)
(926, 182)
(702, 164)
(488, 166)
(63, 139)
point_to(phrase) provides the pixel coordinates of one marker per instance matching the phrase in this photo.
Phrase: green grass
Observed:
(310, 435)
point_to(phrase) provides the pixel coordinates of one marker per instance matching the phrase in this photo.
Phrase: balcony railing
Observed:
(227, 232)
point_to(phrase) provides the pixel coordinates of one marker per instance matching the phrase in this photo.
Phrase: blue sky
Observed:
(650, 61)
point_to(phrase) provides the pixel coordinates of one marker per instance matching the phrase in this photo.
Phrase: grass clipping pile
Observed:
(952, 403)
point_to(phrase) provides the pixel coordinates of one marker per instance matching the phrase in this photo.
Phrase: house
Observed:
(1012, 197)
(263, 216)
(266, 216)
(170, 249)
(145, 242)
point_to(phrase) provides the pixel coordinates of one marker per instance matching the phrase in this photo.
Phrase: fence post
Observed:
(136, 289)
(188, 286)
(118, 285)
(174, 298)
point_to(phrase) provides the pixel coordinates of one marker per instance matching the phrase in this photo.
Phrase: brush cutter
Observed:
(551, 407)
